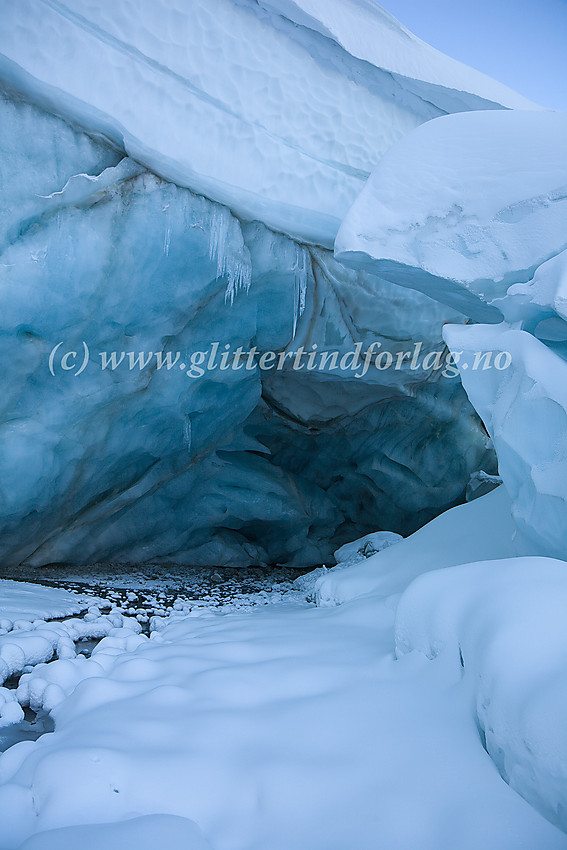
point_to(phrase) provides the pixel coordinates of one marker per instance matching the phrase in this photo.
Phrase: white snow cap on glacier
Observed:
(278, 109)
(463, 207)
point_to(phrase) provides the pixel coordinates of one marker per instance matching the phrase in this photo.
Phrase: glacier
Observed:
(471, 208)
(234, 467)
(270, 176)
(180, 172)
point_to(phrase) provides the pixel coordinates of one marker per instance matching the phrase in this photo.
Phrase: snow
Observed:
(267, 729)
(278, 110)
(366, 546)
(144, 833)
(541, 300)
(501, 626)
(463, 207)
(420, 705)
(25, 601)
(451, 538)
(10, 709)
(30, 644)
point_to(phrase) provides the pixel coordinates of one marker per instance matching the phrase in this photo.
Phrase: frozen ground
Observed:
(253, 720)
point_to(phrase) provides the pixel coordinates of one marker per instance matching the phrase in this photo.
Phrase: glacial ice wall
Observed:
(278, 109)
(236, 466)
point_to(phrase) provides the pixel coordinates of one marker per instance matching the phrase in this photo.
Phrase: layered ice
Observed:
(147, 462)
(277, 109)
(464, 207)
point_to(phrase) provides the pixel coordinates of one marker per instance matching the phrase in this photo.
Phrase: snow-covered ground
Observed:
(274, 726)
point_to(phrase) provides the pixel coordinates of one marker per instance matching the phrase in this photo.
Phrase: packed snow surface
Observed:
(287, 726)
(142, 833)
(463, 207)
(284, 726)
(278, 109)
(501, 625)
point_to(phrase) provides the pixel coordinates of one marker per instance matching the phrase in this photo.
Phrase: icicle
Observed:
(166, 240)
(300, 268)
(218, 231)
(235, 266)
(239, 277)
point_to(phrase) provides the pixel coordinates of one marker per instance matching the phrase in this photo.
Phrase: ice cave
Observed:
(283, 435)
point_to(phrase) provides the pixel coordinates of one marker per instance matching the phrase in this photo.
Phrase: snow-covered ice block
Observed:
(478, 530)
(463, 207)
(522, 399)
(277, 109)
(502, 625)
(150, 832)
(366, 546)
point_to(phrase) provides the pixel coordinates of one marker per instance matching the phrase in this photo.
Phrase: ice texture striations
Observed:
(147, 462)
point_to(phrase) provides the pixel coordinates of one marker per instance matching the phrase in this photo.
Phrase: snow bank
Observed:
(21, 600)
(26, 644)
(277, 109)
(463, 207)
(502, 625)
(524, 407)
(281, 728)
(48, 684)
(478, 530)
(10, 709)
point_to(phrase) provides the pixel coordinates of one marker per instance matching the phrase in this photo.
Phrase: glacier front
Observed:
(109, 245)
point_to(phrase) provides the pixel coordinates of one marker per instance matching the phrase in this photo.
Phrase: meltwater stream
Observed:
(129, 601)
